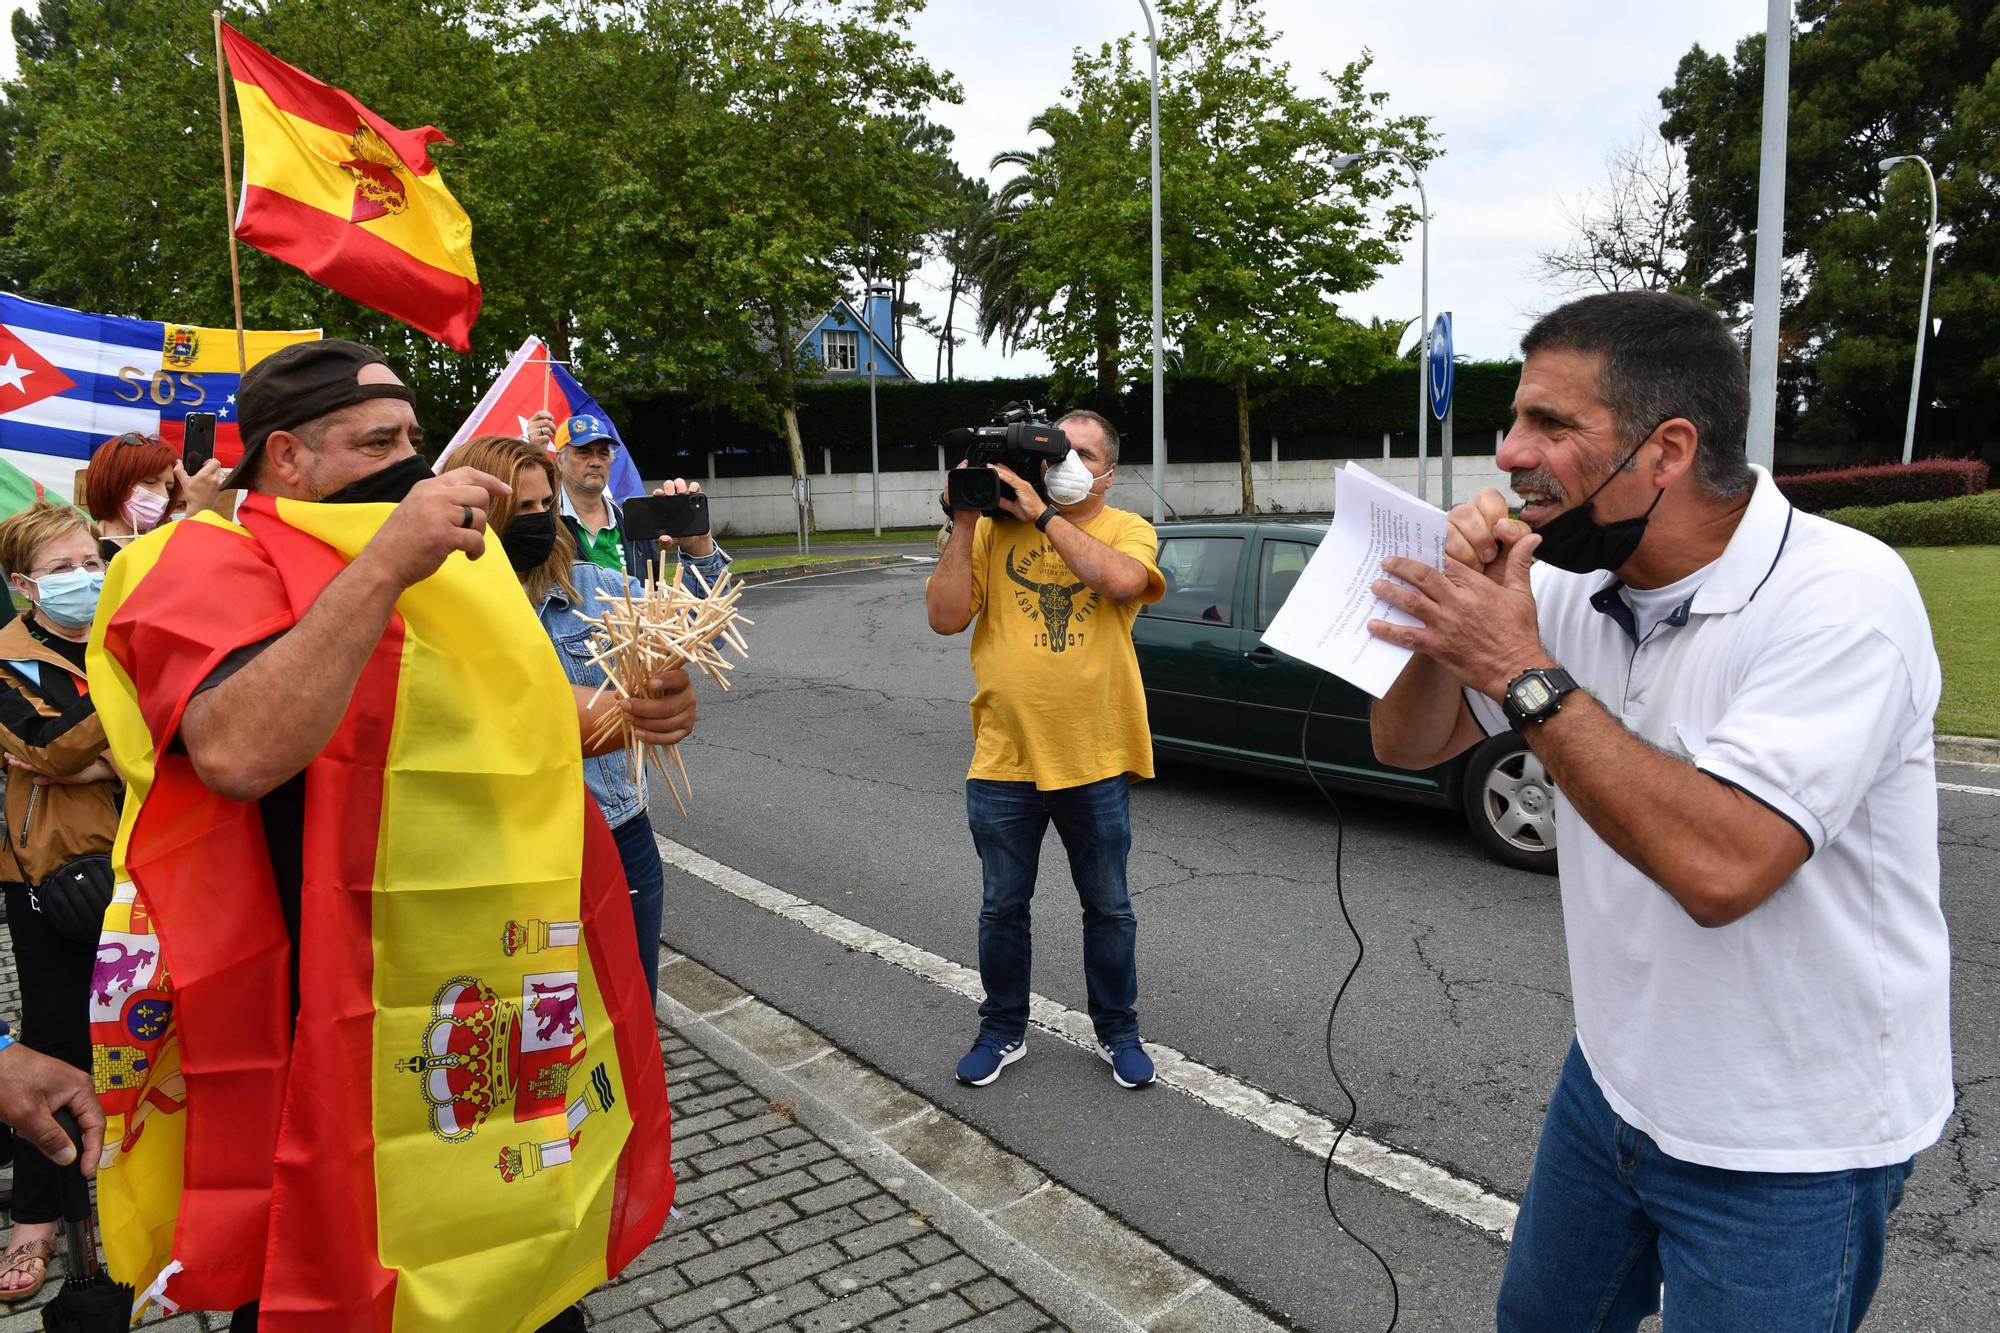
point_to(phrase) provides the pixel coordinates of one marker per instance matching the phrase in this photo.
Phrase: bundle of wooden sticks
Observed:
(665, 626)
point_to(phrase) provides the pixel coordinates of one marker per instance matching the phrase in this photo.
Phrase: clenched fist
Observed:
(437, 517)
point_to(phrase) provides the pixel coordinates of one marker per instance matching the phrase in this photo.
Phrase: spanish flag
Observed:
(332, 188)
(422, 1091)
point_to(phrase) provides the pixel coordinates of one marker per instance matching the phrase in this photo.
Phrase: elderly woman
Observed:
(563, 590)
(134, 482)
(61, 803)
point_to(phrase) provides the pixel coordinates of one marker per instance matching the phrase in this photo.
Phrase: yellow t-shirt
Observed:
(1059, 702)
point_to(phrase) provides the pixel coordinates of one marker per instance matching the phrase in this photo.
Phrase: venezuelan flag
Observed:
(465, 1125)
(332, 188)
(70, 380)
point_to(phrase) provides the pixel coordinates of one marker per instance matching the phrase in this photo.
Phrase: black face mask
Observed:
(528, 539)
(387, 486)
(1573, 540)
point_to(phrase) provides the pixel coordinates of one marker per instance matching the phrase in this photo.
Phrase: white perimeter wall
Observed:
(842, 502)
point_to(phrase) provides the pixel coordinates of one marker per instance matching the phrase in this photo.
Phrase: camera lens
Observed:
(973, 488)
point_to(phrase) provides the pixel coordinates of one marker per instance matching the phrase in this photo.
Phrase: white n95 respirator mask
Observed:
(1069, 481)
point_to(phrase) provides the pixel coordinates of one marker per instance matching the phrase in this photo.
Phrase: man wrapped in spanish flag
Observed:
(368, 1007)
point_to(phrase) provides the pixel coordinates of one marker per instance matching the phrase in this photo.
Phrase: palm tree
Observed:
(1009, 303)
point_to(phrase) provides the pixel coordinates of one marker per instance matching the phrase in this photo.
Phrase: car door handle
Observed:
(1261, 656)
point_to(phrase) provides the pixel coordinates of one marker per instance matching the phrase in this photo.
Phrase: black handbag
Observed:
(73, 899)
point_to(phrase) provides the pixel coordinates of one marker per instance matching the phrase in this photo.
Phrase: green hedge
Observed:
(1968, 520)
(1201, 413)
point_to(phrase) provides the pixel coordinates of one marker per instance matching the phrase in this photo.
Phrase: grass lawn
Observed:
(781, 561)
(791, 538)
(1961, 586)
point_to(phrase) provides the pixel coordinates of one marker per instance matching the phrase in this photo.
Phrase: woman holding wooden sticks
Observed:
(564, 590)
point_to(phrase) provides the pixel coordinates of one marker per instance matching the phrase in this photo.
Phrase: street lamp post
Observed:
(874, 437)
(1889, 164)
(868, 334)
(1159, 355)
(1424, 323)
(1767, 273)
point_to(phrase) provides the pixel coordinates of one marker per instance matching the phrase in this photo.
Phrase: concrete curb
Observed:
(819, 567)
(1089, 1270)
(1977, 751)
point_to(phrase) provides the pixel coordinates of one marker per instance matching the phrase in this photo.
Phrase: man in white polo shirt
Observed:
(1735, 701)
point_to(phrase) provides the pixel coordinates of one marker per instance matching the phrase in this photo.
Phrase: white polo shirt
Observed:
(1814, 1033)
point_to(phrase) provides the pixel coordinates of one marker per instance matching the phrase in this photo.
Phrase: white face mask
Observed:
(1069, 482)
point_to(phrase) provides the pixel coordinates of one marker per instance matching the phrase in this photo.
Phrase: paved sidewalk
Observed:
(778, 1229)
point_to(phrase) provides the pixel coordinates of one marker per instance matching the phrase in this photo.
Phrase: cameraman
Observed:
(1059, 728)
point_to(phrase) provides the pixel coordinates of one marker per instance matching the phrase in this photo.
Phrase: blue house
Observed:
(842, 340)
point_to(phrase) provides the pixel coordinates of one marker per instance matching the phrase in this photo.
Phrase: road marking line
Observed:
(1976, 791)
(1304, 1129)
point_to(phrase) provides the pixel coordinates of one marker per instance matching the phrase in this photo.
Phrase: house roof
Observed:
(854, 316)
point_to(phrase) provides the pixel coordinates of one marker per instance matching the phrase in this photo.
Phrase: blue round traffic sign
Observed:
(1441, 366)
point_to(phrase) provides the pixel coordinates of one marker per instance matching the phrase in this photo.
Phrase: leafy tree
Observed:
(114, 195)
(1264, 235)
(1869, 80)
(1260, 233)
(958, 240)
(896, 243)
(1068, 246)
(798, 102)
(662, 188)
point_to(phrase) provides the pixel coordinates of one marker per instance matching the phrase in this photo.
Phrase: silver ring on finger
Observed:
(468, 516)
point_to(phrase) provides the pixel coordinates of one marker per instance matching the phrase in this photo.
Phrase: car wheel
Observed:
(1510, 802)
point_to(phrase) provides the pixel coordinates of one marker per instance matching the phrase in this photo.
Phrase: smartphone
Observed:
(198, 445)
(651, 517)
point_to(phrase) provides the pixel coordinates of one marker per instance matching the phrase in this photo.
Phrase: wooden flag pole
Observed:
(229, 191)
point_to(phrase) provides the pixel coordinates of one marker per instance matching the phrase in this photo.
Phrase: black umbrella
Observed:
(89, 1302)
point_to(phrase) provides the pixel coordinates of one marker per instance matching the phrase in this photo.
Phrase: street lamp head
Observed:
(1346, 160)
(1891, 163)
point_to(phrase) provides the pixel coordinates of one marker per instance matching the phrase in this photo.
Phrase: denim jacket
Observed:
(619, 794)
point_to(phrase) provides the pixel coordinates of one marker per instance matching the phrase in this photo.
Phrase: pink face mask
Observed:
(144, 510)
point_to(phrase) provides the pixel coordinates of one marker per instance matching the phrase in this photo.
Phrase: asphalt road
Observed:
(834, 770)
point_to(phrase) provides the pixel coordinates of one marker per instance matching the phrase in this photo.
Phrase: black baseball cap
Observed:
(298, 384)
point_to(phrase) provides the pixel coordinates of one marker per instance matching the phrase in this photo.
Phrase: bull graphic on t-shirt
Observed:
(1057, 602)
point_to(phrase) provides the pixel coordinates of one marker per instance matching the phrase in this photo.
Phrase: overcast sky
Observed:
(1529, 97)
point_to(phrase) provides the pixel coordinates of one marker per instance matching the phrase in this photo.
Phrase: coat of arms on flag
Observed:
(333, 189)
(70, 380)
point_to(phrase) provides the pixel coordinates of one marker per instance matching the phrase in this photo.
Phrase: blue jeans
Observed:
(1608, 1218)
(648, 884)
(1094, 822)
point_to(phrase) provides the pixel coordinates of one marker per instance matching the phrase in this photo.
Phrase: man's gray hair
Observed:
(1663, 356)
(1103, 424)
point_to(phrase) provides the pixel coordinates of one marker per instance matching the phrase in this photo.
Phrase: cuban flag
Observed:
(70, 381)
(530, 383)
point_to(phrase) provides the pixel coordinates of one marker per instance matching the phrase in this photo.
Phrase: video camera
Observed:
(1021, 439)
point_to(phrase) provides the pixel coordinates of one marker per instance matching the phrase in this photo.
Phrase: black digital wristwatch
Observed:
(1536, 695)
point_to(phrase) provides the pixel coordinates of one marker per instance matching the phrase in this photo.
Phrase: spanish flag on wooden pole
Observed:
(332, 188)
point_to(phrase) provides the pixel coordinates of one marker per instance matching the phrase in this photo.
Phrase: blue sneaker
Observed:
(988, 1056)
(1131, 1067)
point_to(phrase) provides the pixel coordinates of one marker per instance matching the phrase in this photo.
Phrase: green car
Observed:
(1217, 695)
